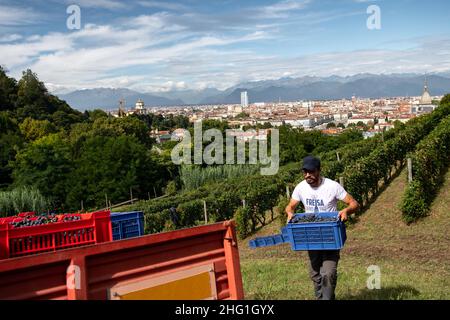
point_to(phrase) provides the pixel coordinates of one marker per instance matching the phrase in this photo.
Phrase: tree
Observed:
(181, 121)
(445, 99)
(341, 125)
(45, 164)
(134, 127)
(331, 125)
(8, 91)
(111, 166)
(96, 114)
(34, 101)
(362, 125)
(295, 144)
(32, 97)
(349, 136)
(215, 124)
(35, 129)
(242, 115)
(130, 126)
(64, 120)
(10, 141)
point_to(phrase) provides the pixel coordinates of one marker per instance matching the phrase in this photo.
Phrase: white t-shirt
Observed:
(324, 198)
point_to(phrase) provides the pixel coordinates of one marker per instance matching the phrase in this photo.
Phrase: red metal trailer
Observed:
(193, 263)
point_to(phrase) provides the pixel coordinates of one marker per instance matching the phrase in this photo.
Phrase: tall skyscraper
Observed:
(244, 99)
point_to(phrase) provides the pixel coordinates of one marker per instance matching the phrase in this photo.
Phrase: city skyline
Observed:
(155, 46)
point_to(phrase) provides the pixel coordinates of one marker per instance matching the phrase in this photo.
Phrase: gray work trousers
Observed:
(323, 272)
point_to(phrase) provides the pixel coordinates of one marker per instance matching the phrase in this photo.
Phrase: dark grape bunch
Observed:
(308, 218)
(71, 218)
(41, 220)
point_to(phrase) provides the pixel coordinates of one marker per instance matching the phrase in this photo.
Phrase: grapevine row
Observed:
(362, 179)
(429, 162)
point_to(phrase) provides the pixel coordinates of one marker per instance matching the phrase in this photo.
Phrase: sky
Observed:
(160, 46)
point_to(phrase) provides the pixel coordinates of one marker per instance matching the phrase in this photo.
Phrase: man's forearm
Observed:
(289, 210)
(352, 207)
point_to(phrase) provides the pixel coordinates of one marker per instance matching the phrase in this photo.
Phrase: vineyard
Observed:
(413, 259)
(430, 160)
(364, 167)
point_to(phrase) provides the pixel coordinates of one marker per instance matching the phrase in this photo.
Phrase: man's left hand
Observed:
(343, 215)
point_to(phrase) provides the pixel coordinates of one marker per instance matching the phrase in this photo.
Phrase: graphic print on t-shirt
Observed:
(321, 199)
(314, 205)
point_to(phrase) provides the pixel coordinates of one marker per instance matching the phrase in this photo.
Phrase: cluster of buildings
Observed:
(374, 115)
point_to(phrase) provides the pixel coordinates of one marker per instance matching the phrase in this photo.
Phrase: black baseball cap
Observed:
(311, 163)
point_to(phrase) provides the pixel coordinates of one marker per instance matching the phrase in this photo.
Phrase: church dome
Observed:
(426, 98)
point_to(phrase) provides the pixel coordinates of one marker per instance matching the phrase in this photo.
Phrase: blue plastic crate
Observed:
(267, 241)
(317, 235)
(127, 224)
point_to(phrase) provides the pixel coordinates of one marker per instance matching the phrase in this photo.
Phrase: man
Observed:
(319, 194)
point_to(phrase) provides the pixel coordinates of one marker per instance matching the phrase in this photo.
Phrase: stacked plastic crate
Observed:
(28, 233)
(127, 224)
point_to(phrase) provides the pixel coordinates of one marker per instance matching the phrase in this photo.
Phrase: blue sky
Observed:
(151, 45)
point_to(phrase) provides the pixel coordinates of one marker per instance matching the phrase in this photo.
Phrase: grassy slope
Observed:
(414, 260)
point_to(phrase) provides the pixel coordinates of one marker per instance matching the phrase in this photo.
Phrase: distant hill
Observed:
(107, 98)
(362, 85)
(190, 96)
(335, 87)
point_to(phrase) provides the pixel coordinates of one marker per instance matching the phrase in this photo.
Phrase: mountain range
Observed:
(108, 98)
(283, 89)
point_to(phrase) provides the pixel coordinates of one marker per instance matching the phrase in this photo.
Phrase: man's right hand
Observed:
(290, 215)
(290, 209)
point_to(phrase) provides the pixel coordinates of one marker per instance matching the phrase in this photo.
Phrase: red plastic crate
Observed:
(92, 228)
(18, 217)
(26, 214)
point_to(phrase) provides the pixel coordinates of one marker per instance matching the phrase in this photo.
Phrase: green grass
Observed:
(414, 260)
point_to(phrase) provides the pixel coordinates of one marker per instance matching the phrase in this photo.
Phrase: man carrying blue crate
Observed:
(320, 194)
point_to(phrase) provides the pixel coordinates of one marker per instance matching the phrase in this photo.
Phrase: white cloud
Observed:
(161, 52)
(286, 5)
(104, 4)
(282, 9)
(170, 86)
(163, 5)
(23, 53)
(10, 38)
(92, 55)
(17, 16)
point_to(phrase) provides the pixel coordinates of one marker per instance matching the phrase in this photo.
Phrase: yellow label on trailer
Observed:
(197, 283)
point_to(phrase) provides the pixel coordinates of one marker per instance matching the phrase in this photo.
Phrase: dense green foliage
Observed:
(334, 162)
(362, 179)
(295, 143)
(10, 141)
(73, 157)
(429, 162)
